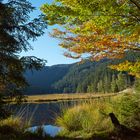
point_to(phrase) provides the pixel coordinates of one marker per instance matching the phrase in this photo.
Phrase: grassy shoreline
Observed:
(90, 118)
(87, 120)
(65, 97)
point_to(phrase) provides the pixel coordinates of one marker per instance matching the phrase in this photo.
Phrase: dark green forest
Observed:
(85, 77)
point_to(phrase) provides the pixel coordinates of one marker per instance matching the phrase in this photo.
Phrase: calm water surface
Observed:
(41, 113)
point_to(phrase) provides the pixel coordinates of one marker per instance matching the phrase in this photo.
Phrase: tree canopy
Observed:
(16, 30)
(96, 29)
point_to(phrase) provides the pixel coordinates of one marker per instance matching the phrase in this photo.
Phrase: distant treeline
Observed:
(81, 78)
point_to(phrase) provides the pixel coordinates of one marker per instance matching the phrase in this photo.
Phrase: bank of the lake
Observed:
(65, 97)
(85, 118)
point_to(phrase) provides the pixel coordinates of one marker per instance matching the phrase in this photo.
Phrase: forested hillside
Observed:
(40, 82)
(77, 78)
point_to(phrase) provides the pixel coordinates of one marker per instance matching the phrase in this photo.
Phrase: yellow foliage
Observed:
(133, 68)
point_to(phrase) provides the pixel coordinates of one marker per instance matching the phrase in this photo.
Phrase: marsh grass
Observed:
(20, 120)
(15, 126)
(14, 122)
(91, 117)
(65, 97)
(11, 128)
(83, 119)
(87, 117)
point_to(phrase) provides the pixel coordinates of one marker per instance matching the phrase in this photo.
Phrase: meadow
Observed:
(60, 97)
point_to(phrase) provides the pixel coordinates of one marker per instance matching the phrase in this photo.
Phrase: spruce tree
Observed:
(16, 30)
(114, 86)
(107, 83)
(89, 89)
(80, 88)
(122, 81)
(137, 85)
(100, 86)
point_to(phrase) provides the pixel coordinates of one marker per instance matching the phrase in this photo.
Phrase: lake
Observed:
(41, 113)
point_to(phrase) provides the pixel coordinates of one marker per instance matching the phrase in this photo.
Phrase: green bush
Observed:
(127, 109)
(70, 119)
(137, 85)
(92, 117)
(87, 117)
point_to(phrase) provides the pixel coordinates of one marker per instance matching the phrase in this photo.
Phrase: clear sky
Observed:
(45, 46)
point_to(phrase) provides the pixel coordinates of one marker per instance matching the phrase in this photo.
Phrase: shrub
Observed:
(11, 122)
(92, 117)
(87, 117)
(70, 119)
(137, 85)
(127, 109)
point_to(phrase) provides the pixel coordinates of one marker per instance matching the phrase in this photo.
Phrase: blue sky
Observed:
(46, 47)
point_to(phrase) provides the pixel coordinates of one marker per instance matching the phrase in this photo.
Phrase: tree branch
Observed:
(136, 3)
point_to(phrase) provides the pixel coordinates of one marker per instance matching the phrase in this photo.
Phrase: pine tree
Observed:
(80, 88)
(89, 89)
(100, 86)
(121, 81)
(114, 86)
(16, 30)
(137, 84)
(107, 83)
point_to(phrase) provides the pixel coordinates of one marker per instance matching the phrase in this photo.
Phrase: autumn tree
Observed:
(16, 30)
(132, 67)
(96, 29)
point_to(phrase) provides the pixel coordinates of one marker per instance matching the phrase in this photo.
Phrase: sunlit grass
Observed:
(16, 127)
(92, 117)
(88, 117)
(14, 122)
(18, 121)
(60, 97)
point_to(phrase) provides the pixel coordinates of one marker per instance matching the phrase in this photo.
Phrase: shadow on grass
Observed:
(9, 133)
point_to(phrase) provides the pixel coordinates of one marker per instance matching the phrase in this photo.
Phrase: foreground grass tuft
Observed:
(13, 128)
(85, 120)
(91, 118)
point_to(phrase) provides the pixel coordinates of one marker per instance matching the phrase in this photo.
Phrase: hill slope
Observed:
(85, 77)
(40, 82)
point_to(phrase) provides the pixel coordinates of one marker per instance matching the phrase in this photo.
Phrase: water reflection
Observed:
(48, 129)
(41, 113)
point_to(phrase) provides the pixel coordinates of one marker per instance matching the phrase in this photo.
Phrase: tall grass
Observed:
(15, 126)
(92, 117)
(86, 119)
(14, 122)
(11, 128)
(19, 120)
